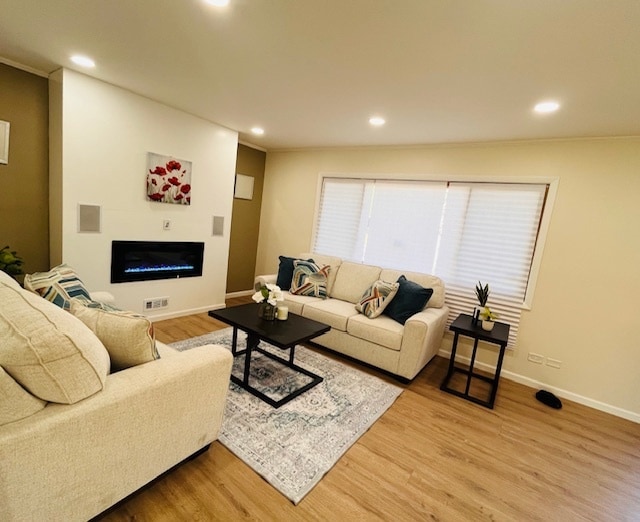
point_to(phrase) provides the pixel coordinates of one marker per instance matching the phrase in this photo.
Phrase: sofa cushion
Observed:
(410, 299)
(333, 312)
(47, 350)
(59, 285)
(425, 280)
(127, 336)
(15, 402)
(285, 271)
(376, 298)
(309, 279)
(297, 302)
(352, 281)
(383, 331)
(332, 261)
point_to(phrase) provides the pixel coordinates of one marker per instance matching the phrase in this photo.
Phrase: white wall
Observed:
(106, 133)
(585, 307)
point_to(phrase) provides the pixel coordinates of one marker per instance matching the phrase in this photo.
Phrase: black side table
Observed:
(464, 325)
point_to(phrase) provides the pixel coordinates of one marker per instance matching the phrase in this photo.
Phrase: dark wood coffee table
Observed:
(282, 334)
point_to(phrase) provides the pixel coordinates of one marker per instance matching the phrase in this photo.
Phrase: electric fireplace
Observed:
(150, 260)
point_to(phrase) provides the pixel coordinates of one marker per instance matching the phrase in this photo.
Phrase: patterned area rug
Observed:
(294, 446)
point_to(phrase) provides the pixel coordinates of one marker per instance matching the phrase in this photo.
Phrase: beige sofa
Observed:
(402, 350)
(73, 459)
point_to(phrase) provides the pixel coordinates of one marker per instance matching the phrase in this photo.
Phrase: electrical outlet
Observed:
(554, 363)
(535, 358)
(166, 224)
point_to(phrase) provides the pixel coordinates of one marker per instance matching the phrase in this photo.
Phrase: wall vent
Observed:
(154, 303)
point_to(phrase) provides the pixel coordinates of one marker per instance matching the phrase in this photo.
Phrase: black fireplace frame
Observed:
(153, 260)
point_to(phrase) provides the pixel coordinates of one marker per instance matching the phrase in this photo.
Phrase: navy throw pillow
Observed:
(285, 271)
(410, 299)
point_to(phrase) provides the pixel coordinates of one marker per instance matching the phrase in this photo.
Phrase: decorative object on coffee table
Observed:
(293, 447)
(268, 297)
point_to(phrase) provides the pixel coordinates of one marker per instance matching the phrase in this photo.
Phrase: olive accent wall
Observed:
(24, 205)
(245, 222)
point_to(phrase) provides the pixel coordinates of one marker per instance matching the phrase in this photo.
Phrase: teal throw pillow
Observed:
(410, 299)
(285, 271)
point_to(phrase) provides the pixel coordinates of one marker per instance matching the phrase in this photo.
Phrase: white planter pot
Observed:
(487, 325)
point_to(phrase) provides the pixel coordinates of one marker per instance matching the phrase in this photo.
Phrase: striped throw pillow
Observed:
(59, 285)
(376, 298)
(309, 279)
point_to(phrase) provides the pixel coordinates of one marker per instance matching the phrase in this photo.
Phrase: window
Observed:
(463, 232)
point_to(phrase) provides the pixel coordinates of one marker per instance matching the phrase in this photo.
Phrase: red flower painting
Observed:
(168, 179)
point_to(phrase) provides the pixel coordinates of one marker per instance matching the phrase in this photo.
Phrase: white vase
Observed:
(487, 325)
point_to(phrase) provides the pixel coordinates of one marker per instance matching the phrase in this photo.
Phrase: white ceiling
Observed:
(311, 72)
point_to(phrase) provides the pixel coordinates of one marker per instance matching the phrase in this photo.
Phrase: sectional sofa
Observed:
(400, 349)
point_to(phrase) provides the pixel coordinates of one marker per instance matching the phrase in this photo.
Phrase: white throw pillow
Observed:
(47, 350)
(128, 337)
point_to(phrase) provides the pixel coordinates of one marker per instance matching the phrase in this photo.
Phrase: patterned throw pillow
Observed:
(309, 279)
(376, 298)
(59, 285)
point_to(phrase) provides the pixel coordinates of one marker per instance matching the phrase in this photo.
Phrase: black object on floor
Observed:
(548, 398)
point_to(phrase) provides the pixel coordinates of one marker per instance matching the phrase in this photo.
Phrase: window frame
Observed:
(545, 219)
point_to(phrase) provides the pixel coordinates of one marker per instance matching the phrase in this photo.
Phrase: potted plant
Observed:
(488, 317)
(268, 297)
(482, 294)
(10, 262)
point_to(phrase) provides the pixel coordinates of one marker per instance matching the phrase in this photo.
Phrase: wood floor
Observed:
(432, 456)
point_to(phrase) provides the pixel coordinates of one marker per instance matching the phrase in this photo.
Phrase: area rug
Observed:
(294, 446)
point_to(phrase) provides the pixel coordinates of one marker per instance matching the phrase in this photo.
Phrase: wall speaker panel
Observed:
(218, 226)
(89, 218)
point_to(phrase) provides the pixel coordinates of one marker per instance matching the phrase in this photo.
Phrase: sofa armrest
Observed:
(262, 280)
(71, 462)
(423, 333)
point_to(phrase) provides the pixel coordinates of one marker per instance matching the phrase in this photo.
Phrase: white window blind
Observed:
(461, 232)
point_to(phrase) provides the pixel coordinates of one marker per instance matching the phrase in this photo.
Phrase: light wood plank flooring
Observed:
(432, 456)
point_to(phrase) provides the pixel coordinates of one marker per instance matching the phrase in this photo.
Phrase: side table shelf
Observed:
(464, 325)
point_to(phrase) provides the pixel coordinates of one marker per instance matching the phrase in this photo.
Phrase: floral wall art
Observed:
(168, 179)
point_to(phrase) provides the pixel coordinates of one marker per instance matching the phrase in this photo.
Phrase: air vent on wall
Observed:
(156, 302)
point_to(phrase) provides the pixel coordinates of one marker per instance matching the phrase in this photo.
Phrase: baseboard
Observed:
(182, 313)
(242, 293)
(565, 394)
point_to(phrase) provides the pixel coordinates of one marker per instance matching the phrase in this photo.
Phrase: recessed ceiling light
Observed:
(376, 121)
(83, 61)
(217, 3)
(258, 131)
(546, 107)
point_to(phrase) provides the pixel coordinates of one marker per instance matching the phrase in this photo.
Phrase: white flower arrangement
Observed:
(270, 293)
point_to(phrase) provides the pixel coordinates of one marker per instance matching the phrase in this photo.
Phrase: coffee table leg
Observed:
(234, 342)
(252, 342)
